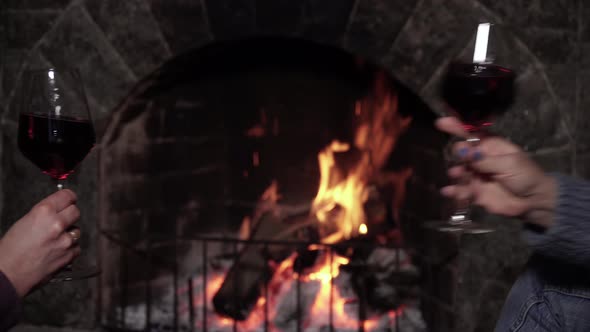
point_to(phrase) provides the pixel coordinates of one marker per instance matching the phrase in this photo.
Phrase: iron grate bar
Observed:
(204, 262)
(191, 306)
(331, 306)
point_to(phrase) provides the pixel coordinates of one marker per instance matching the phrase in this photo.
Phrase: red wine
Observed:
(478, 92)
(55, 144)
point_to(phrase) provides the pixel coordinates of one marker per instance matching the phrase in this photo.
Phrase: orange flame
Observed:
(379, 126)
(338, 204)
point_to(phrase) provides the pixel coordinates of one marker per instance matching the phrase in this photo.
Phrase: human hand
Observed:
(504, 180)
(37, 245)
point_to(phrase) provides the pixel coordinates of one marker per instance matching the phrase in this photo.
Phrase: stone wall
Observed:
(117, 43)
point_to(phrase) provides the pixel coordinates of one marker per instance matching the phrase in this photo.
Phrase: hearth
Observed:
(272, 184)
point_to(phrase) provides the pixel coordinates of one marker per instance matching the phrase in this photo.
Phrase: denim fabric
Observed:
(550, 296)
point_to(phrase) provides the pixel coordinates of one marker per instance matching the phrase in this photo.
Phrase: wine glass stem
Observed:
(59, 184)
(463, 206)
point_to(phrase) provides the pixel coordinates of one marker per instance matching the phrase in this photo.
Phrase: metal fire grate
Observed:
(123, 292)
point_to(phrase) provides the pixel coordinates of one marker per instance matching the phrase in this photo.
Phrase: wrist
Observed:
(20, 291)
(7, 267)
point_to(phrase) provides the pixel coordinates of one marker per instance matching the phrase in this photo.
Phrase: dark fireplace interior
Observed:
(286, 178)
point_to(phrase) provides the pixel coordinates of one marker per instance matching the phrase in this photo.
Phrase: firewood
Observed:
(245, 280)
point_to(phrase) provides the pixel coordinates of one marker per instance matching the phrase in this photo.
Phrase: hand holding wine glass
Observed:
(504, 180)
(55, 132)
(477, 87)
(36, 245)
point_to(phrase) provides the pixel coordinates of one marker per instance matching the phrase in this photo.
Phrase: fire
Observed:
(347, 170)
(345, 186)
(363, 229)
(325, 273)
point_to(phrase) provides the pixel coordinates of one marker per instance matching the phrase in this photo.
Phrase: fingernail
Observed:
(477, 156)
(463, 152)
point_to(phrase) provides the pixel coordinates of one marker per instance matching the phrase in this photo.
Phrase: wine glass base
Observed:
(463, 227)
(73, 272)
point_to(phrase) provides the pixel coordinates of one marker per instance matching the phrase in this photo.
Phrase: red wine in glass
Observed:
(55, 144)
(478, 92)
(55, 133)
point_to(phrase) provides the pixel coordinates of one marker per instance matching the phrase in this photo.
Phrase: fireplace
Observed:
(272, 184)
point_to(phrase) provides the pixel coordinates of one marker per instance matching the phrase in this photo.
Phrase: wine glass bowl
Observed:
(478, 93)
(55, 144)
(55, 132)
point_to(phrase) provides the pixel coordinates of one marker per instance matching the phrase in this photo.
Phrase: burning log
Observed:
(252, 270)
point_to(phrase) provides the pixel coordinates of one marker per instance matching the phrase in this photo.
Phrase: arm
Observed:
(9, 304)
(505, 181)
(568, 237)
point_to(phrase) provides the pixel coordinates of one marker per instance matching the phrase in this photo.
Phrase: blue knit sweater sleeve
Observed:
(568, 239)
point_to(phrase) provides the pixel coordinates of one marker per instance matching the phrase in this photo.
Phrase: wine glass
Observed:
(477, 88)
(55, 133)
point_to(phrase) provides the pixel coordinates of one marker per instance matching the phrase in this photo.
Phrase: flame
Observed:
(245, 229)
(320, 310)
(271, 193)
(345, 186)
(346, 172)
(363, 229)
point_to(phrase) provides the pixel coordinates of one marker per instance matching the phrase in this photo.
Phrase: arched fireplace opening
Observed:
(245, 182)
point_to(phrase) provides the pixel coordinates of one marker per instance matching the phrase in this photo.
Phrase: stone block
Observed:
(537, 109)
(180, 156)
(22, 29)
(550, 45)
(12, 62)
(326, 21)
(184, 24)
(582, 118)
(35, 4)
(130, 26)
(432, 35)
(77, 42)
(558, 14)
(374, 26)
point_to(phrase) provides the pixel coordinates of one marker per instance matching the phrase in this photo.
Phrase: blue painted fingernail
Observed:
(477, 156)
(463, 152)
